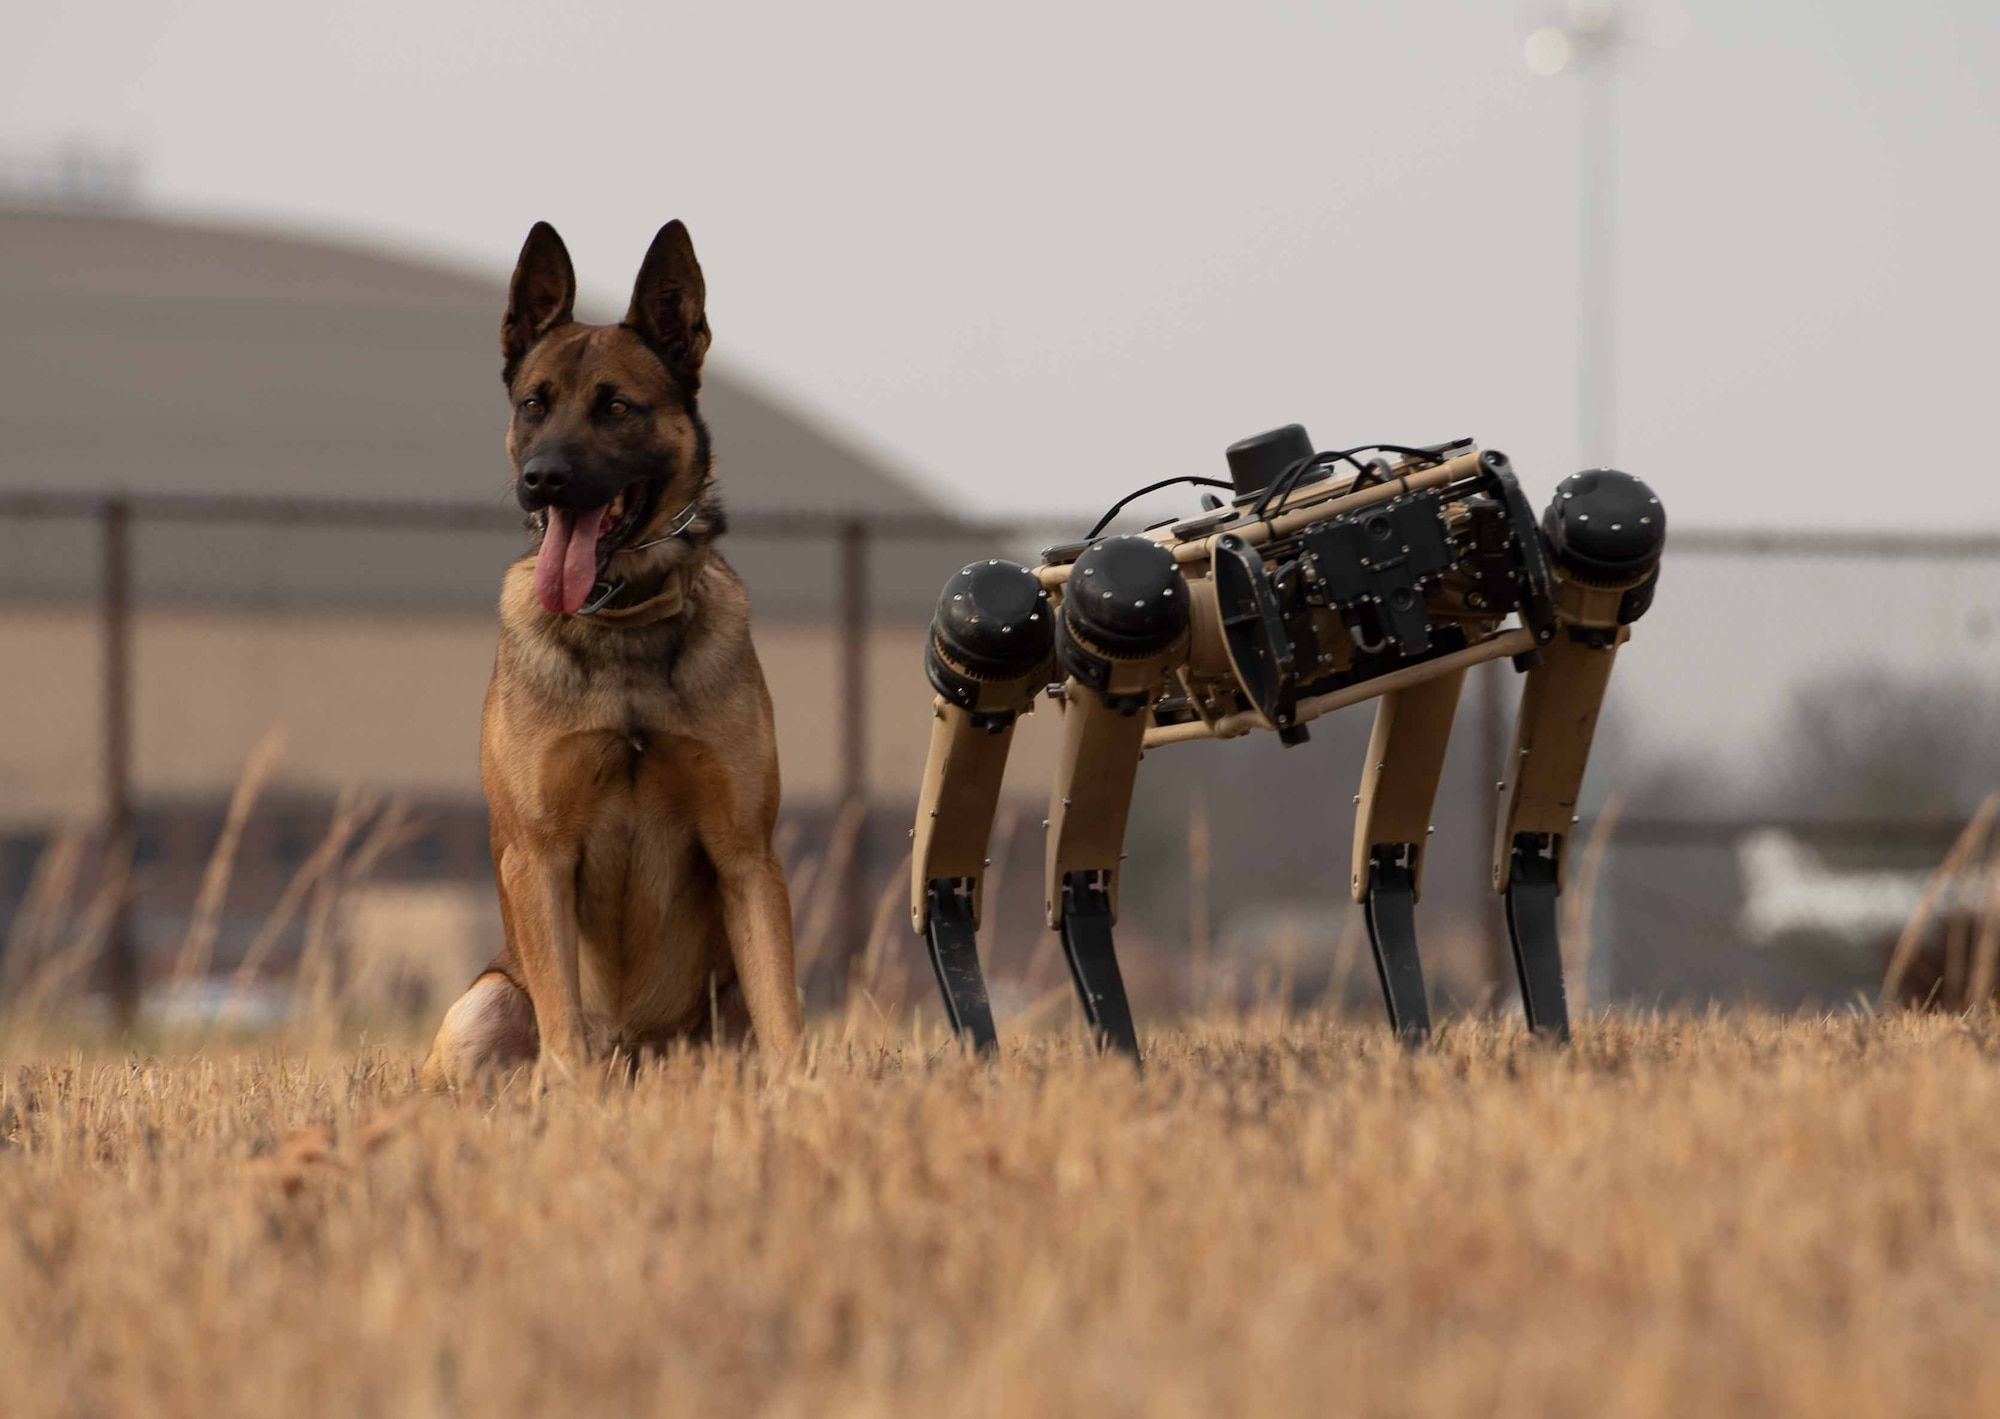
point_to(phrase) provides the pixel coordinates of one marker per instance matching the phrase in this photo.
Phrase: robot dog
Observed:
(1327, 579)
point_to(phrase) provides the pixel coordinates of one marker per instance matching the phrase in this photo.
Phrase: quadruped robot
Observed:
(1381, 572)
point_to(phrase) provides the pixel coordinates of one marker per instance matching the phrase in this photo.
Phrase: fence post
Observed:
(121, 955)
(851, 935)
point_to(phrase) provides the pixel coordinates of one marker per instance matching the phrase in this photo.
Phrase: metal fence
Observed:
(108, 526)
(1803, 703)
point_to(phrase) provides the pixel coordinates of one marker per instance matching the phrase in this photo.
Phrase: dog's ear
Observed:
(542, 296)
(667, 305)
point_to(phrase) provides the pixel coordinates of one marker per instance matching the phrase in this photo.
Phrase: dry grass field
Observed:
(1716, 1216)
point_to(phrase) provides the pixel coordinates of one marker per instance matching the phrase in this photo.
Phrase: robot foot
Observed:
(955, 958)
(1391, 911)
(1531, 926)
(1093, 963)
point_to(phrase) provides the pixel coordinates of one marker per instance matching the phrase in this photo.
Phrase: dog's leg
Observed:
(491, 1026)
(541, 910)
(735, 803)
(757, 913)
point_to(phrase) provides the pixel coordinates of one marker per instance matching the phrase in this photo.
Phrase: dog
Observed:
(626, 748)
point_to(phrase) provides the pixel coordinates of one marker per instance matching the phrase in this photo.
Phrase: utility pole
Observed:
(121, 954)
(1588, 42)
(1596, 256)
(850, 925)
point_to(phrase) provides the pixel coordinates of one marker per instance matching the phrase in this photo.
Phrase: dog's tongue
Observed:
(567, 567)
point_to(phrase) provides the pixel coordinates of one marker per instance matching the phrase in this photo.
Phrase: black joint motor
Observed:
(1608, 528)
(1125, 600)
(993, 622)
(1605, 527)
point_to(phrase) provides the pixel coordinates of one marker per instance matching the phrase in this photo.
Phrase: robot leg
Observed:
(1552, 736)
(1123, 624)
(1391, 830)
(1605, 531)
(992, 647)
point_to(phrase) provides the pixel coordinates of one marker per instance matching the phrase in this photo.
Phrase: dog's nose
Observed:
(545, 478)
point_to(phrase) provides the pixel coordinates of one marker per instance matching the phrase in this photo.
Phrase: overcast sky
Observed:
(1038, 253)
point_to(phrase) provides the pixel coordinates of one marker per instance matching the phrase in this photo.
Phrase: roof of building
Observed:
(154, 356)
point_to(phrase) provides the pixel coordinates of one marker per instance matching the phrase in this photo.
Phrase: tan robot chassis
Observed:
(1327, 579)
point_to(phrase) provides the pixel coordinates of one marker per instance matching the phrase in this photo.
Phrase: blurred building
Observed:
(146, 357)
(151, 357)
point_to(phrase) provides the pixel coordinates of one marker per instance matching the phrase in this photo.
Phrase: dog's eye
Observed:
(618, 408)
(532, 405)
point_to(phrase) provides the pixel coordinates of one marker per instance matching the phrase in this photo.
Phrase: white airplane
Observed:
(1789, 892)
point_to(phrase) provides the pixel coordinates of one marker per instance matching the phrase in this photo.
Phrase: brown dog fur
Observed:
(631, 771)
